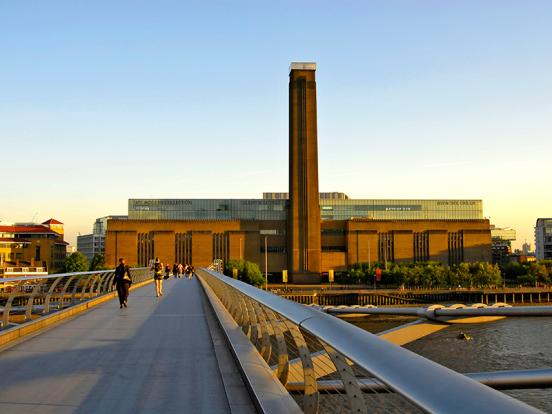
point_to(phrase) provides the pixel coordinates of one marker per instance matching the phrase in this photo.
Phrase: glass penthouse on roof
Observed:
(276, 209)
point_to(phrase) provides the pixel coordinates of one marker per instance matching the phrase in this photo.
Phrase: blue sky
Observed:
(107, 100)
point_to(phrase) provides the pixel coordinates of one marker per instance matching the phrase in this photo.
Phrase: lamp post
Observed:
(241, 257)
(369, 258)
(266, 263)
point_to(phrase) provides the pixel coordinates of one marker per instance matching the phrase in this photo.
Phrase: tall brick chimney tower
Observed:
(304, 204)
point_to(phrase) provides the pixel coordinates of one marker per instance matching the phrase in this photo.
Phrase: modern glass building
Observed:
(401, 209)
(543, 238)
(501, 239)
(276, 209)
(93, 244)
(206, 209)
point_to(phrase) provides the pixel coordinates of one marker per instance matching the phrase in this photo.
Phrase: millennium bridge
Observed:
(213, 344)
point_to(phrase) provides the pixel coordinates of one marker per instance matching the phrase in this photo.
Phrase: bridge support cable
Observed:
(329, 365)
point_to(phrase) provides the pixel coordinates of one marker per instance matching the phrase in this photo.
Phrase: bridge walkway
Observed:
(160, 355)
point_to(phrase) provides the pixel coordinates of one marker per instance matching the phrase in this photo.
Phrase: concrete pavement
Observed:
(156, 356)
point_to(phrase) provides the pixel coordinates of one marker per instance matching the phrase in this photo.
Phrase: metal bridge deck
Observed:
(158, 355)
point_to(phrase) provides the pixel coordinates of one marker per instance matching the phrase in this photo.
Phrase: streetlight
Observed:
(266, 264)
(369, 258)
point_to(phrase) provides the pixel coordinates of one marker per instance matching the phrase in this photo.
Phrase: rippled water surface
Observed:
(512, 343)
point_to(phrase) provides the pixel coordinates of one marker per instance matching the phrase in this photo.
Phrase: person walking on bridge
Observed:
(122, 280)
(158, 277)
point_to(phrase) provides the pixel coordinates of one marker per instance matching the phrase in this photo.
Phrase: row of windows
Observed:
(421, 247)
(333, 232)
(221, 248)
(334, 248)
(274, 249)
(331, 209)
(455, 248)
(386, 247)
(11, 256)
(145, 249)
(272, 232)
(14, 245)
(208, 215)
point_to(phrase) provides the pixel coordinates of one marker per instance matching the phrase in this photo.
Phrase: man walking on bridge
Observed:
(122, 280)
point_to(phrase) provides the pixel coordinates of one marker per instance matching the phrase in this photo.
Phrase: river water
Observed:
(511, 343)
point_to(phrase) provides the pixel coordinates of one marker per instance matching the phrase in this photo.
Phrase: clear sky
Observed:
(101, 101)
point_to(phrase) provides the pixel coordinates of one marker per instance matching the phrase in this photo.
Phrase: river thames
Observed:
(511, 343)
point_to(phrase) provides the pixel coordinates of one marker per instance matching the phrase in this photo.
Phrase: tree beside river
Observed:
(435, 275)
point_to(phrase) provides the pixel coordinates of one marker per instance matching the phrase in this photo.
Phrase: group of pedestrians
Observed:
(123, 278)
(163, 271)
(179, 270)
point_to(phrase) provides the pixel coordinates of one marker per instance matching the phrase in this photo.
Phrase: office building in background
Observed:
(543, 238)
(94, 243)
(32, 248)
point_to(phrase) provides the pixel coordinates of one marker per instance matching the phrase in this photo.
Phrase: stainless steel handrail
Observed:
(56, 275)
(428, 385)
(22, 296)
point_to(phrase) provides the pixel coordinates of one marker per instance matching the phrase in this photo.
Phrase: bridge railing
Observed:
(25, 298)
(326, 363)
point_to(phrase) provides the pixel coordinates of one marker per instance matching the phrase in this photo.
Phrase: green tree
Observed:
(539, 273)
(485, 274)
(548, 264)
(450, 277)
(97, 263)
(233, 264)
(512, 271)
(248, 272)
(356, 273)
(252, 274)
(76, 262)
(463, 275)
(394, 275)
(434, 275)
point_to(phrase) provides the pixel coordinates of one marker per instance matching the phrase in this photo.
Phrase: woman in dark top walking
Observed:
(158, 277)
(122, 280)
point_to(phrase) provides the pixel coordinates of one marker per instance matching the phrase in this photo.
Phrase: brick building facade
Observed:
(304, 234)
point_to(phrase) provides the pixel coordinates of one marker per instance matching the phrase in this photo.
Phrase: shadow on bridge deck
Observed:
(158, 355)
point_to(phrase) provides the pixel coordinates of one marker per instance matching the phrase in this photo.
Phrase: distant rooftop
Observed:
(52, 221)
(323, 196)
(17, 228)
(302, 66)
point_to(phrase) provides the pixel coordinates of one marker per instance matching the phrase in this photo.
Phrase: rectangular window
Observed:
(333, 232)
(37, 252)
(455, 248)
(274, 249)
(183, 248)
(421, 247)
(220, 247)
(145, 249)
(269, 232)
(386, 247)
(334, 248)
